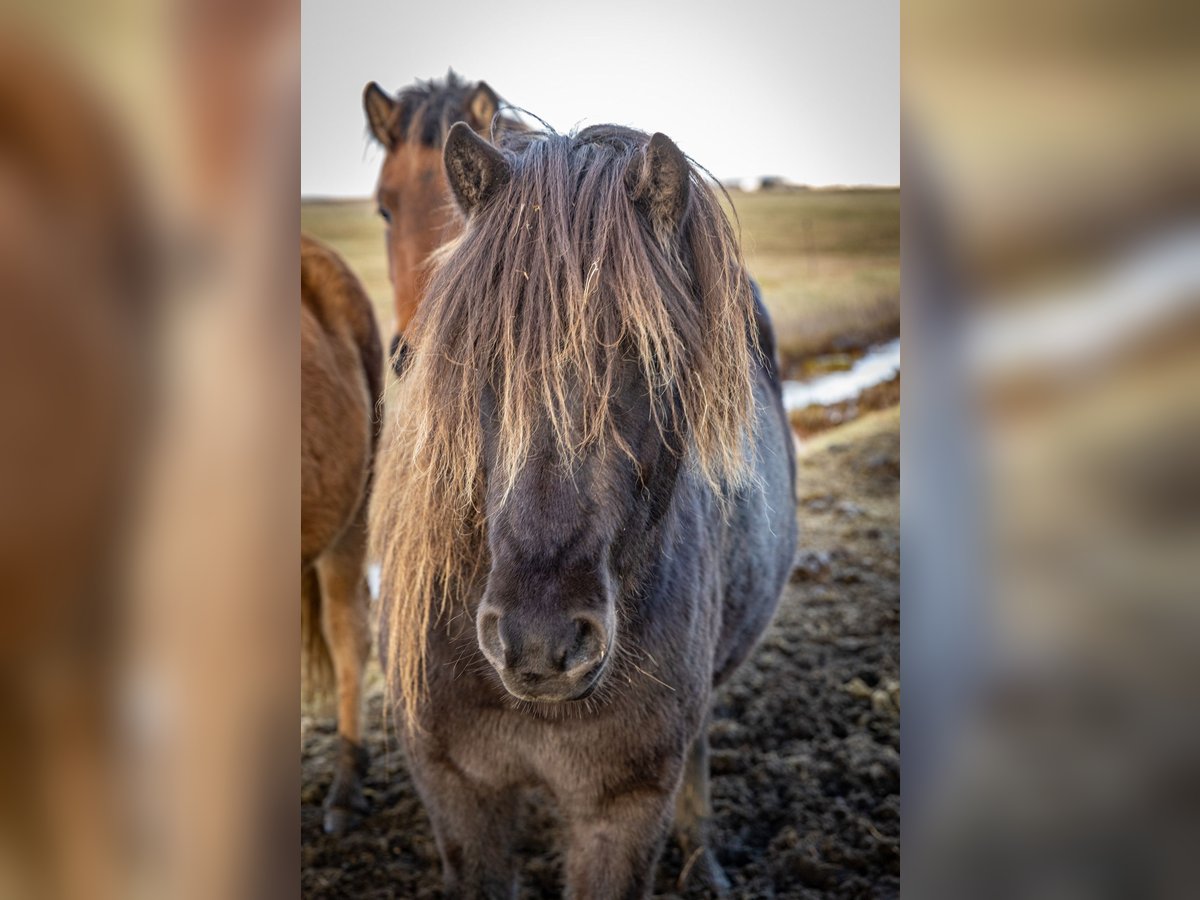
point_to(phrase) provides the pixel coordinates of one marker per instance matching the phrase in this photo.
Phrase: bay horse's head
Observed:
(411, 195)
(585, 343)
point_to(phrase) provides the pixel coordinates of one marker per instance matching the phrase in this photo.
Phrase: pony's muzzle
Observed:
(546, 658)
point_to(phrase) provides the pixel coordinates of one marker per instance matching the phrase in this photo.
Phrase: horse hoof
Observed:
(718, 881)
(338, 821)
(345, 805)
(704, 870)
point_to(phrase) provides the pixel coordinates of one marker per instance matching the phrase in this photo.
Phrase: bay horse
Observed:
(585, 512)
(341, 381)
(412, 196)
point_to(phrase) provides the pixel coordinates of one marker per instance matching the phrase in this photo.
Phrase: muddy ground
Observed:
(805, 737)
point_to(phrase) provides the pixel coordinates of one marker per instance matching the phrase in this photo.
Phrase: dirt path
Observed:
(806, 736)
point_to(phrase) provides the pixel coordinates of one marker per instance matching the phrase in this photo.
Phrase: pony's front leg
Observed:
(693, 808)
(614, 845)
(474, 826)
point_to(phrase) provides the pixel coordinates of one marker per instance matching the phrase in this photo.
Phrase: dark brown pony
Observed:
(585, 514)
(341, 380)
(412, 195)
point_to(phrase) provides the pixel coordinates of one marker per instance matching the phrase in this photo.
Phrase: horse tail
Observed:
(317, 675)
(370, 351)
(370, 348)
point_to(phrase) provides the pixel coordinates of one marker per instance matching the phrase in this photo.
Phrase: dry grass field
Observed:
(828, 261)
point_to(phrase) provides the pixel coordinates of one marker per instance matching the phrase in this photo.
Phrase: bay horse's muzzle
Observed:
(548, 658)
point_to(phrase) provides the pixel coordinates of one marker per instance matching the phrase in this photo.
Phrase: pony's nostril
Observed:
(583, 631)
(491, 641)
(587, 646)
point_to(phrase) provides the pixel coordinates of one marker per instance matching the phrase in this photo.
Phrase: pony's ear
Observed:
(381, 114)
(658, 179)
(475, 169)
(481, 107)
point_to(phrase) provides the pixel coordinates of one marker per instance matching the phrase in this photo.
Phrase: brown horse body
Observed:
(341, 372)
(413, 196)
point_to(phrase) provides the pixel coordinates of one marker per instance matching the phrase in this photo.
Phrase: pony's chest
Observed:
(572, 759)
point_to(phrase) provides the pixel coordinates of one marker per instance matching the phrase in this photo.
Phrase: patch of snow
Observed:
(874, 367)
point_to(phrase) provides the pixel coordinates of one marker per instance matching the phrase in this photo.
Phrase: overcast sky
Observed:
(807, 90)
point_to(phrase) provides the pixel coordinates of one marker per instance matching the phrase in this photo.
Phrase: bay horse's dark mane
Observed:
(426, 110)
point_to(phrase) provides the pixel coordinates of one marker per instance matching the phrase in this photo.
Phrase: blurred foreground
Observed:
(148, 466)
(1051, 511)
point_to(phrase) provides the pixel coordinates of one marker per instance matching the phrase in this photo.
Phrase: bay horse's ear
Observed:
(475, 169)
(481, 107)
(657, 179)
(381, 114)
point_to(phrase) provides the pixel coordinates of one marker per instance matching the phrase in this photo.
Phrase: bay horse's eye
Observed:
(385, 215)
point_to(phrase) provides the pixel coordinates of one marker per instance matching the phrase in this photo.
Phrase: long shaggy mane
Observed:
(554, 288)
